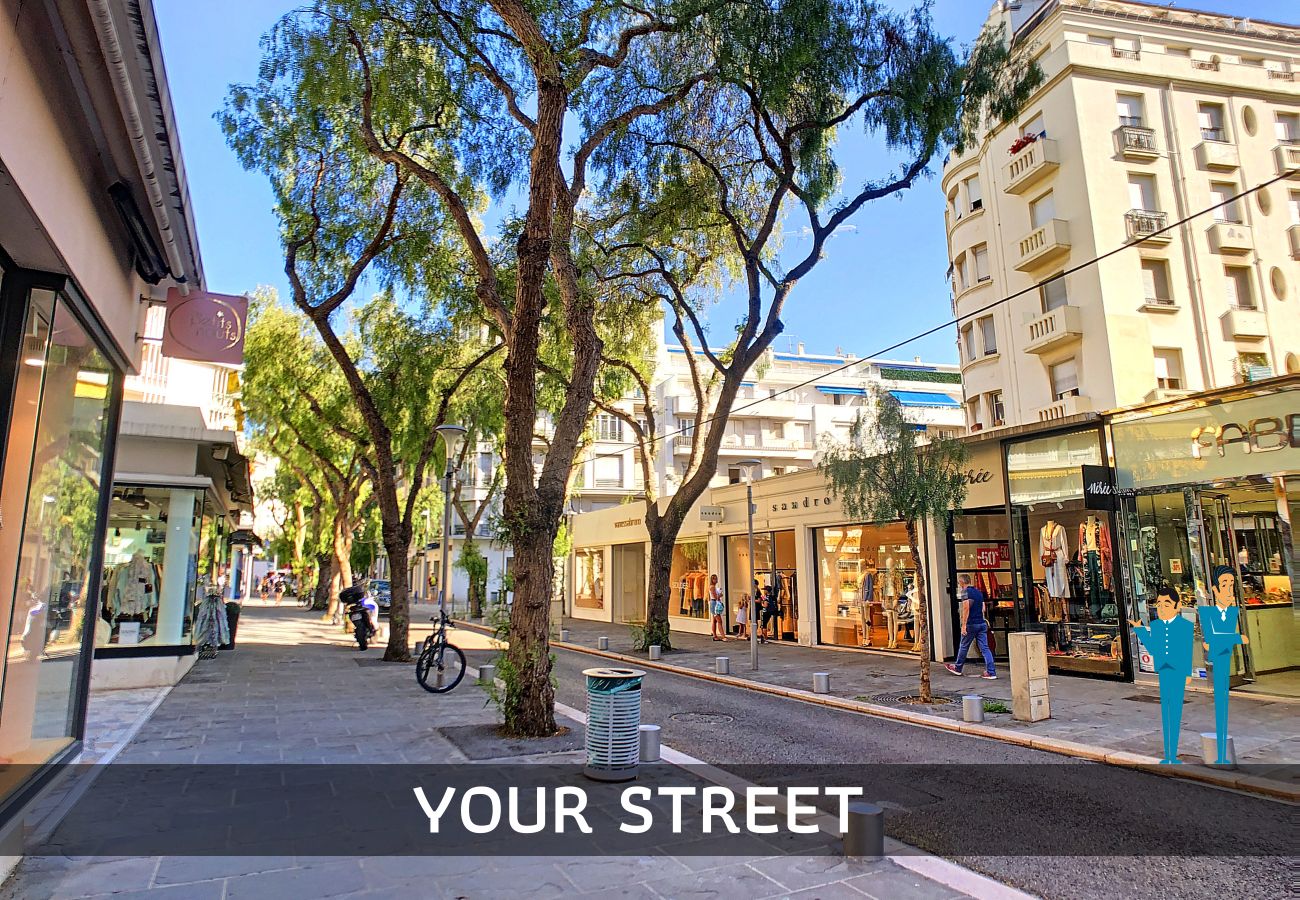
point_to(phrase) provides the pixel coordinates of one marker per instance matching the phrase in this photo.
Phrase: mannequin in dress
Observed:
(1095, 549)
(1053, 552)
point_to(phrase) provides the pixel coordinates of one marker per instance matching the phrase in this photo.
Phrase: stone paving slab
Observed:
(291, 693)
(1266, 731)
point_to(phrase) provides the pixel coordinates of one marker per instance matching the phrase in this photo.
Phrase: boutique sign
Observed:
(205, 327)
(1254, 436)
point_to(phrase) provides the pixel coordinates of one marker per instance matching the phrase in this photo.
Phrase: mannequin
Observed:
(1053, 552)
(1094, 548)
(134, 588)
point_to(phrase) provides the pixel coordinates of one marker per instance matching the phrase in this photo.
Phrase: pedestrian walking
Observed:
(717, 609)
(279, 589)
(742, 617)
(264, 588)
(974, 628)
(770, 610)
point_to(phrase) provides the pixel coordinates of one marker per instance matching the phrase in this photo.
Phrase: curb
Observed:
(1250, 784)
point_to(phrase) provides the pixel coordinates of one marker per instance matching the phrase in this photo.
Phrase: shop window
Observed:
(1209, 117)
(1226, 209)
(689, 580)
(55, 446)
(1155, 282)
(1065, 379)
(151, 566)
(981, 545)
(590, 579)
(1236, 282)
(1054, 295)
(866, 586)
(774, 570)
(1169, 369)
(988, 335)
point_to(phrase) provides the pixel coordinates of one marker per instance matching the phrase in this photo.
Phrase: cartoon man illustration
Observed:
(1220, 634)
(1169, 641)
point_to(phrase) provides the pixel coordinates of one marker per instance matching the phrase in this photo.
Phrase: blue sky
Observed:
(880, 282)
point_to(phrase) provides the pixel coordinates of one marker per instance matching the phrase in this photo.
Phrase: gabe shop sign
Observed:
(205, 327)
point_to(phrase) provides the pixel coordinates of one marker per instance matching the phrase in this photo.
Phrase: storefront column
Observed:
(176, 567)
(805, 566)
(1196, 544)
(938, 585)
(1285, 525)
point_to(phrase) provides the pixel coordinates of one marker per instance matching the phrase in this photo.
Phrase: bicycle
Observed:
(446, 671)
(306, 596)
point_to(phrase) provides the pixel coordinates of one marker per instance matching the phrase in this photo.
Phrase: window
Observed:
(1155, 282)
(1237, 282)
(1065, 380)
(962, 276)
(1101, 40)
(974, 199)
(973, 414)
(1142, 193)
(1054, 295)
(997, 409)
(609, 471)
(989, 335)
(686, 427)
(982, 263)
(1169, 369)
(1129, 108)
(1042, 211)
(1034, 127)
(735, 475)
(1210, 118)
(1287, 128)
(954, 211)
(967, 342)
(1226, 208)
(609, 427)
(1293, 205)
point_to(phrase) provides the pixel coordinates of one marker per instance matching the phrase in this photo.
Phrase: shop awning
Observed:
(844, 391)
(925, 398)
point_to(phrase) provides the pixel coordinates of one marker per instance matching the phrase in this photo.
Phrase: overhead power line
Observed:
(1291, 173)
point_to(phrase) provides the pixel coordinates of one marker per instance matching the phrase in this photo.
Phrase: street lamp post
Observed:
(749, 465)
(452, 435)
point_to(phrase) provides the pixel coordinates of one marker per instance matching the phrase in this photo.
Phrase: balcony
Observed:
(1142, 225)
(1245, 324)
(1294, 233)
(1231, 237)
(1159, 305)
(1136, 142)
(1063, 409)
(1044, 245)
(1031, 165)
(1214, 153)
(1288, 159)
(1053, 329)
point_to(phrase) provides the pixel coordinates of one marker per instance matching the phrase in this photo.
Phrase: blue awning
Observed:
(846, 391)
(925, 398)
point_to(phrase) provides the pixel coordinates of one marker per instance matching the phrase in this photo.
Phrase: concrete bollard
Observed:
(602, 643)
(865, 836)
(649, 743)
(821, 682)
(722, 665)
(972, 708)
(1210, 751)
(564, 635)
(487, 674)
(654, 651)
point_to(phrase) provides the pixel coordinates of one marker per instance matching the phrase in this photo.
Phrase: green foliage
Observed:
(996, 706)
(893, 374)
(695, 553)
(885, 474)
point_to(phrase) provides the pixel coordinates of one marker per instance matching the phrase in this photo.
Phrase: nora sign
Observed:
(205, 327)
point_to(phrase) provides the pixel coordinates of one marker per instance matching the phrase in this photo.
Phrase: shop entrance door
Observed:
(1219, 548)
(629, 600)
(785, 582)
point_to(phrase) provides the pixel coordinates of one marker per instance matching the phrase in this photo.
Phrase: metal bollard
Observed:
(564, 635)
(821, 682)
(972, 708)
(649, 743)
(865, 836)
(654, 651)
(487, 674)
(602, 643)
(722, 665)
(1210, 751)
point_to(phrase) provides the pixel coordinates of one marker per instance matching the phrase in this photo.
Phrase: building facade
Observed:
(1147, 114)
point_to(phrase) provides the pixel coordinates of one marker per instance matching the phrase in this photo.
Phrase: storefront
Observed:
(867, 586)
(1214, 481)
(1063, 560)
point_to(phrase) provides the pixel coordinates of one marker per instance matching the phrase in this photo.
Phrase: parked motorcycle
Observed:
(361, 612)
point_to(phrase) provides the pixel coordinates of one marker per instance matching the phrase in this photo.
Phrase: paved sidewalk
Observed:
(288, 694)
(1101, 716)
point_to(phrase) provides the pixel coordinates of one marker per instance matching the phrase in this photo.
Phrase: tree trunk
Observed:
(529, 702)
(399, 611)
(922, 611)
(659, 590)
(342, 549)
(324, 580)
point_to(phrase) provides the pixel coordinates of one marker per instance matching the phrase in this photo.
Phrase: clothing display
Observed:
(1054, 552)
(133, 588)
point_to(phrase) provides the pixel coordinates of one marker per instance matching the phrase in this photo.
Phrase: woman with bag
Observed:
(717, 609)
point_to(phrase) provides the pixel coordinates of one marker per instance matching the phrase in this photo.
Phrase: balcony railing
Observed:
(1246, 323)
(1215, 152)
(1122, 53)
(1231, 237)
(1288, 159)
(1159, 304)
(1294, 234)
(1064, 408)
(1207, 65)
(1277, 75)
(1030, 165)
(1053, 329)
(1213, 134)
(1044, 244)
(1135, 140)
(1142, 225)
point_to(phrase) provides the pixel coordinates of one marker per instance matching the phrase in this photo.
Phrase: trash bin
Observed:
(613, 723)
(232, 619)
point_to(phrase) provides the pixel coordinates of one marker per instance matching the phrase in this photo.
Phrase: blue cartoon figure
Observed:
(1169, 641)
(1220, 634)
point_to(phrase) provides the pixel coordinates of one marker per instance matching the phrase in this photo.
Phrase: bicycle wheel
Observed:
(440, 669)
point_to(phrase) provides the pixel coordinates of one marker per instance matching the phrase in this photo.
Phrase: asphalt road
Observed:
(1041, 822)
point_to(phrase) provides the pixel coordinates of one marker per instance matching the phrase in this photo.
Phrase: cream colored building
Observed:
(1147, 114)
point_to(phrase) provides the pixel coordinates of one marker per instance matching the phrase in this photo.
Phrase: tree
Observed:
(714, 185)
(885, 474)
